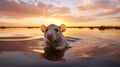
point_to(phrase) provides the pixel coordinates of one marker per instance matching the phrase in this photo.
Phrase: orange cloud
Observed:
(77, 19)
(116, 18)
(83, 11)
(22, 10)
(112, 11)
(94, 5)
(13, 9)
(101, 7)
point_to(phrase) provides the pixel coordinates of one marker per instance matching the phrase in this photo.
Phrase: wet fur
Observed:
(59, 42)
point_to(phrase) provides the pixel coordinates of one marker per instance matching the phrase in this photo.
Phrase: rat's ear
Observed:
(62, 27)
(43, 28)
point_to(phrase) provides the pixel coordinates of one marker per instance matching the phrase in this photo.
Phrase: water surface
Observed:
(23, 47)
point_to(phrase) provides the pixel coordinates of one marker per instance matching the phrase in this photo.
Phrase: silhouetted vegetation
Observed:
(19, 27)
(90, 27)
(94, 27)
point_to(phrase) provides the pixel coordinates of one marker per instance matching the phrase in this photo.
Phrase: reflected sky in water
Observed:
(90, 48)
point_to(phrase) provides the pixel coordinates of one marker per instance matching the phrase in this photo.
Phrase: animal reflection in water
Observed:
(52, 54)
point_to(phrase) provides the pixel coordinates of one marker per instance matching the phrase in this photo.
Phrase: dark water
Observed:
(22, 47)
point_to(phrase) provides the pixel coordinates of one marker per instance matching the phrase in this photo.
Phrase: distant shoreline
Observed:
(98, 27)
(91, 27)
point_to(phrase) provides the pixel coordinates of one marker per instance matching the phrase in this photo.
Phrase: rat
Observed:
(54, 38)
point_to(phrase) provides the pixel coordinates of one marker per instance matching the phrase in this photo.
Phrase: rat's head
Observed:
(53, 32)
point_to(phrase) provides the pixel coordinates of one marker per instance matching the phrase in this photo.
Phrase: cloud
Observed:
(88, 1)
(20, 9)
(86, 11)
(117, 0)
(90, 5)
(102, 7)
(77, 19)
(111, 11)
(61, 10)
(117, 18)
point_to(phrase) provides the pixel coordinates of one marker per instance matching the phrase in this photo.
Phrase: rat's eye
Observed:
(56, 30)
(46, 30)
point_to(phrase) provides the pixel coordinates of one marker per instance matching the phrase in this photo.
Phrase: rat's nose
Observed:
(50, 36)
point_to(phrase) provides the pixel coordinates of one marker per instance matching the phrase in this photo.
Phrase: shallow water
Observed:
(22, 47)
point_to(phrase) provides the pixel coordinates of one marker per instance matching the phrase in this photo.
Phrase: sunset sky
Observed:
(69, 12)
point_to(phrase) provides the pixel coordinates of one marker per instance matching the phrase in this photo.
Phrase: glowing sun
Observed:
(58, 23)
